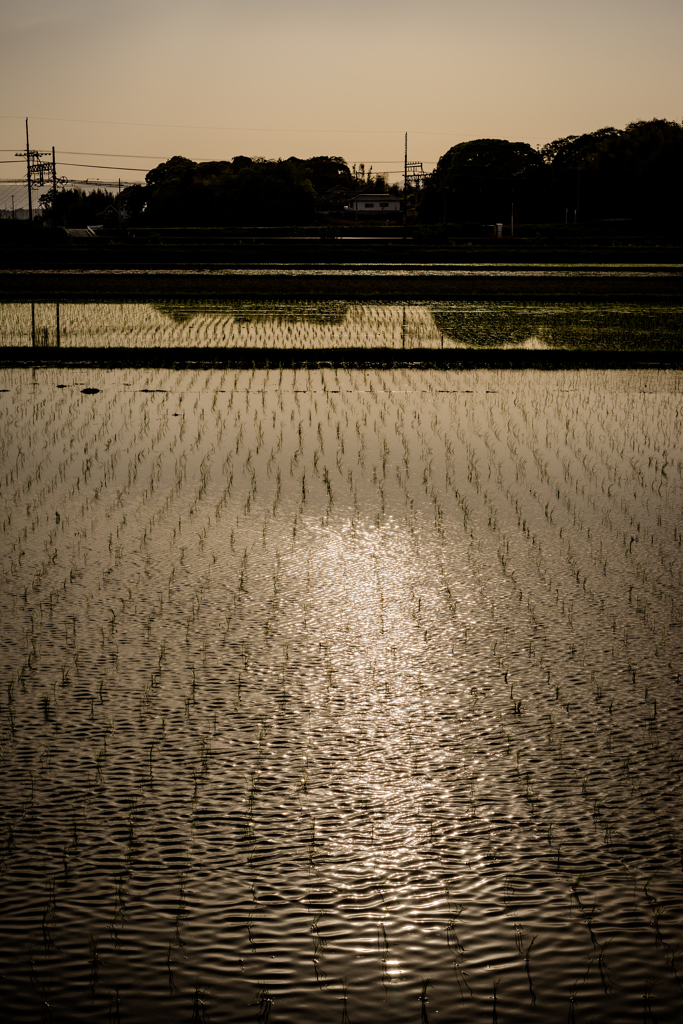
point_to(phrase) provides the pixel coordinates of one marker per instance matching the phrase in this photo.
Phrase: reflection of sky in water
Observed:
(373, 731)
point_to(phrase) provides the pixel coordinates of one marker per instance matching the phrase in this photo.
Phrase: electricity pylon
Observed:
(37, 170)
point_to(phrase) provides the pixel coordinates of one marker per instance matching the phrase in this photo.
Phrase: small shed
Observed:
(374, 203)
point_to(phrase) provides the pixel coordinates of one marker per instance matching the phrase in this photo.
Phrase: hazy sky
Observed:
(277, 78)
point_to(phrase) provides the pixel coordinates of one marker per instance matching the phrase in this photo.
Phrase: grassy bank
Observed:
(96, 252)
(74, 286)
(32, 246)
(348, 358)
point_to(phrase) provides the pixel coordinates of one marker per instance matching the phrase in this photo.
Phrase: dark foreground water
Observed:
(619, 326)
(341, 696)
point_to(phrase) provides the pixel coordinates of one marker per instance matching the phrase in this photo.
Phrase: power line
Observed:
(124, 156)
(102, 167)
(216, 128)
(99, 183)
(148, 156)
(284, 131)
(6, 193)
(107, 167)
(143, 170)
(127, 156)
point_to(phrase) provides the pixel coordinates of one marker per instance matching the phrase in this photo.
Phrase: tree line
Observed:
(182, 193)
(629, 174)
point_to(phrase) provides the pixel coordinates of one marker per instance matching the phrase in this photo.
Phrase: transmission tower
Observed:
(37, 170)
(415, 173)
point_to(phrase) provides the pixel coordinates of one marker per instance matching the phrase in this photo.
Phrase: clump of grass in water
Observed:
(572, 1001)
(451, 937)
(95, 962)
(659, 911)
(648, 985)
(49, 914)
(345, 995)
(494, 1018)
(265, 1000)
(425, 984)
(527, 965)
(602, 966)
(199, 1004)
(384, 948)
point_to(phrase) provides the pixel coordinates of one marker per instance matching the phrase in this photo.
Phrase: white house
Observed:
(374, 203)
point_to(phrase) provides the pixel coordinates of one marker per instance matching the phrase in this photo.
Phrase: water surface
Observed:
(340, 324)
(324, 690)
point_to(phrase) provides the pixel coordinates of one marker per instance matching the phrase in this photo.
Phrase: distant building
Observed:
(374, 203)
(112, 214)
(340, 201)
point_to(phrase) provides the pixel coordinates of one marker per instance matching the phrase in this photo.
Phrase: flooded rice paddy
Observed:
(341, 696)
(341, 324)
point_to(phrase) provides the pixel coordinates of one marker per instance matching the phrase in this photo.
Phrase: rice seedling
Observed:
(314, 636)
(199, 1004)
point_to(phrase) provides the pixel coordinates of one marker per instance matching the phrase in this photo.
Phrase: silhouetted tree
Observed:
(633, 173)
(610, 174)
(479, 181)
(75, 208)
(239, 191)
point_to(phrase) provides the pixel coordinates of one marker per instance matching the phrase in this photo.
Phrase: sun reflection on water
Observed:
(377, 739)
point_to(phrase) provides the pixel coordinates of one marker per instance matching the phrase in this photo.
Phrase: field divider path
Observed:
(575, 285)
(341, 358)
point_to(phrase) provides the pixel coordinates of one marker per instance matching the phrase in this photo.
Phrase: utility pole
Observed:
(405, 191)
(36, 171)
(28, 177)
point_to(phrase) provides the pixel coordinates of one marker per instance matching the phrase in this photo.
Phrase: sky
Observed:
(120, 86)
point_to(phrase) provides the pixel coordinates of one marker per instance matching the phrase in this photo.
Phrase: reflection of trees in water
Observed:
(491, 324)
(249, 312)
(311, 324)
(531, 325)
(597, 327)
(335, 324)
